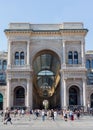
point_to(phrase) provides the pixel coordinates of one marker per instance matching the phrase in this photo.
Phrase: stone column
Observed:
(64, 62)
(28, 53)
(9, 53)
(31, 94)
(84, 93)
(28, 93)
(29, 103)
(61, 91)
(81, 98)
(64, 86)
(8, 93)
(83, 53)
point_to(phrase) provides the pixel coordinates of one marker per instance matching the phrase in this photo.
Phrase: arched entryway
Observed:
(1, 101)
(91, 100)
(19, 96)
(46, 79)
(74, 96)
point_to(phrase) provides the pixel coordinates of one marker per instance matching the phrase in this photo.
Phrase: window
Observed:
(17, 58)
(0, 65)
(87, 63)
(92, 64)
(22, 58)
(4, 64)
(2, 78)
(75, 57)
(70, 57)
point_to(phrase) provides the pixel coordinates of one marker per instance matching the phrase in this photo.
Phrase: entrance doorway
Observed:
(46, 79)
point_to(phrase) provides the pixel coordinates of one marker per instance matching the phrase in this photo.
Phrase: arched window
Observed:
(16, 58)
(75, 57)
(70, 57)
(22, 58)
(92, 64)
(4, 64)
(0, 65)
(2, 78)
(87, 63)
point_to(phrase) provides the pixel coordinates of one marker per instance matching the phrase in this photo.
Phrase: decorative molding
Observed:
(74, 74)
(19, 75)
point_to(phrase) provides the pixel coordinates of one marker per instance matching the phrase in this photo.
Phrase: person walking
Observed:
(7, 117)
(43, 115)
(52, 114)
(55, 114)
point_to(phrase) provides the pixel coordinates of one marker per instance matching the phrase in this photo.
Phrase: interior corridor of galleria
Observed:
(46, 62)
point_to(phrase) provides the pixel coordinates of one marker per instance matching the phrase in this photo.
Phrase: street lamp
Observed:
(45, 104)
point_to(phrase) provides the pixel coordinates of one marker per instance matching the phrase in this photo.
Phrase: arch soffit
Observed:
(33, 54)
(74, 84)
(90, 93)
(17, 85)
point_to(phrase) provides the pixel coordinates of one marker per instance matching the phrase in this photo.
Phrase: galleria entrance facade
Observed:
(46, 62)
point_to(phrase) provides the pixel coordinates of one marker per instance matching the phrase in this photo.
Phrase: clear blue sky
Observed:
(46, 11)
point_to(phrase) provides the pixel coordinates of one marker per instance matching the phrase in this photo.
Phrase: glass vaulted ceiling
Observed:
(46, 67)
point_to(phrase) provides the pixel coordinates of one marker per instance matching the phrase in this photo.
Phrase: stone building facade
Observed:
(47, 62)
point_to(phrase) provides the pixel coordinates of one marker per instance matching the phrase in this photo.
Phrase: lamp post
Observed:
(45, 104)
(88, 107)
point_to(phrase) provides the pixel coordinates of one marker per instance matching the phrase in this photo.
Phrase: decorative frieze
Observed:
(19, 75)
(74, 74)
(18, 82)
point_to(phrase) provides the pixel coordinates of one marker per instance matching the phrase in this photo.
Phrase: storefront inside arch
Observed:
(1, 101)
(74, 96)
(19, 97)
(91, 100)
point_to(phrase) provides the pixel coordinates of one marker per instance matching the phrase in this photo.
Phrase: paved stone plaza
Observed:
(25, 123)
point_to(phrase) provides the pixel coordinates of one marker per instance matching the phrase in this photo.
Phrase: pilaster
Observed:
(64, 88)
(29, 103)
(64, 57)
(28, 53)
(9, 93)
(9, 53)
(83, 53)
(61, 90)
(84, 93)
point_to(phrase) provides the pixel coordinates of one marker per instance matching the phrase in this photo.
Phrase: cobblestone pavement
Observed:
(29, 123)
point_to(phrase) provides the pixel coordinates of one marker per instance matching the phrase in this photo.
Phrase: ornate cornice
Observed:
(31, 32)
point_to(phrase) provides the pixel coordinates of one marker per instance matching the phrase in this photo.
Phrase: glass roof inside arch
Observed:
(46, 68)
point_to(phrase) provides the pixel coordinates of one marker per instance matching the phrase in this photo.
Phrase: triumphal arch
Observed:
(46, 62)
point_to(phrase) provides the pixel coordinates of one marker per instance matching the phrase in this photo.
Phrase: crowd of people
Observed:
(44, 114)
